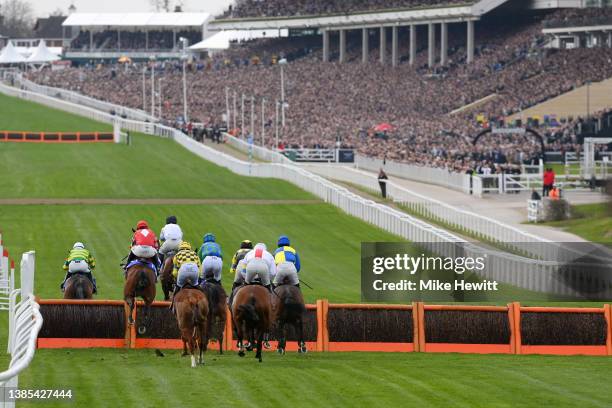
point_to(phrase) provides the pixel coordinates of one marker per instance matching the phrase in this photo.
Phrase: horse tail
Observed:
(293, 306)
(143, 280)
(79, 292)
(195, 310)
(249, 313)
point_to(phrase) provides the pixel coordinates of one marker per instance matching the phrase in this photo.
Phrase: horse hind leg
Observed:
(301, 343)
(259, 345)
(130, 302)
(282, 342)
(239, 333)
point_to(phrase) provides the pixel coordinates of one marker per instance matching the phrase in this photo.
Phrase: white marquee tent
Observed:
(9, 55)
(222, 39)
(42, 54)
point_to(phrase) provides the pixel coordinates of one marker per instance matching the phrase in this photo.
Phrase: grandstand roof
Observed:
(136, 20)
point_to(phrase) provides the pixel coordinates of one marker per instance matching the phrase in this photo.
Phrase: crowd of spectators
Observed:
(132, 40)
(275, 8)
(577, 17)
(332, 104)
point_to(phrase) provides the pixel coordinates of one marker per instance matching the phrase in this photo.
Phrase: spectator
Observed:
(382, 182)
(548, 181)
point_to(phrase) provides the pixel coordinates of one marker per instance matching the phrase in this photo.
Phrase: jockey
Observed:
(212, 258)
(245, 247)
(287, 262)
(171, 236)
(80, 260)
(260, 263)
(186, 268)
(144, 244)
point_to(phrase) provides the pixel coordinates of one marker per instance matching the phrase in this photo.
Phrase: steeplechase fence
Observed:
(57, 137)
(328, 327)
(25, 321)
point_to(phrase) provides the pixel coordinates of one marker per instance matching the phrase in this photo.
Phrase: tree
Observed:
(17, 18)
(166, 5)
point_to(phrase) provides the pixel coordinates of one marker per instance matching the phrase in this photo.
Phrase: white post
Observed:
(325, 46)
(413, 44)
(159, 97)
(227, 108)
(185, 117)
(27, 274)
(276, 124)
(253, 118)
(365, 45)
(242, 115)
(144, 91)
(282, 71)
(342, 46)
(470, 41)
(116, 131)
(263, 122)
(431, 44)
(383, 43)
(444, 44)
(153, 87)
(235, 110)
(394, 50)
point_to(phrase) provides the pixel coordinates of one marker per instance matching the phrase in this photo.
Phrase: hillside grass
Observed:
(592, 222)
(21, 115)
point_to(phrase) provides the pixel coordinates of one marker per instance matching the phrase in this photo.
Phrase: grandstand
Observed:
(133, 35)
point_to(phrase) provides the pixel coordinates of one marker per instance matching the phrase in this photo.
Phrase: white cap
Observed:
(262, 246)
(78, 245)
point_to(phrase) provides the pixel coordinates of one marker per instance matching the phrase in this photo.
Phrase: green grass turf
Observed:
(592, 222)
(328, 241)
(20, 115)
(105, 378)
(151, 167)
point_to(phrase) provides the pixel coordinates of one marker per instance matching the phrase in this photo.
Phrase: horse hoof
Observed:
(130, 320)
(303, 350)
(241, 353)
(142, 330)
(281, 351)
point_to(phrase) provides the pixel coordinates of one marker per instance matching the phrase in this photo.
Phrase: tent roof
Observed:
(9, 55)
(42, 54)
(136, 19)
(222, 39)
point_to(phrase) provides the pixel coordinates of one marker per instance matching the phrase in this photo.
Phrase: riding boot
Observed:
(269, 287)
(297, 285)
(63, 284)
(95, 285)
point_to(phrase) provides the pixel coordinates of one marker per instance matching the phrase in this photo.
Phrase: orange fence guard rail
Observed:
(513, 311)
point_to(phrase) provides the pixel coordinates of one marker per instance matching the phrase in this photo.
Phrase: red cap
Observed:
(142, 225)
(12, 264)
(5, 253)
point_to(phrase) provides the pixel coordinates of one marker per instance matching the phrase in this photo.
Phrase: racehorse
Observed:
(191, 308)
(78, 287)
(140, 282)
(166, 278)
(217, 299)
(252, 316)
(289, 308)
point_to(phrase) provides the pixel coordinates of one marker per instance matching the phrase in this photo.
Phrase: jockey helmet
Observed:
(246, 244)
(261, 245)
(78, 245)
(184, 245)
(142, 225)
(209, 237)
(283, 240)
(171, 219)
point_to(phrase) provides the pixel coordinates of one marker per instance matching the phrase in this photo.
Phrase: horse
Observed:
(191, 308)
(217, 315)
(252, 316)
(166, 277)
(140, 282)
(289, 308)
(78, 287)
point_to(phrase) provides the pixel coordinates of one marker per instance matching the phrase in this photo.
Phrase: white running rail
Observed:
(7, 276)
(25, 321)
(523, 272)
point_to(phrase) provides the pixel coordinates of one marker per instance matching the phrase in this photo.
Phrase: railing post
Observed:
(415, 326)
(421, 325)
(228, 337)
(516, 307)
(322, 331)
(608, 317)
